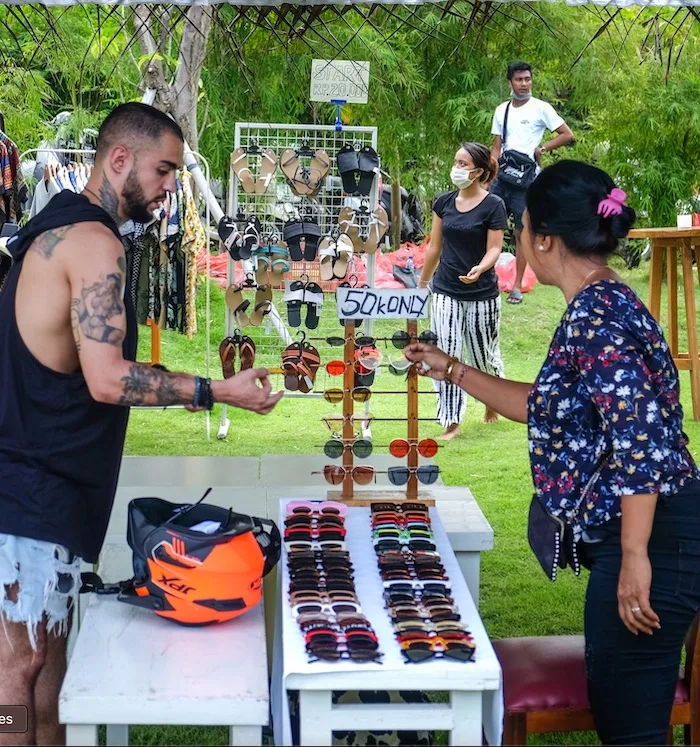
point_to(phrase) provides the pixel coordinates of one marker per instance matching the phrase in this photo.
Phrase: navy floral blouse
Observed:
(607, 393)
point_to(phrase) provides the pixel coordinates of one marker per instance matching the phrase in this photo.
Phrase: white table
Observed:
(474, 687)
(131, 667)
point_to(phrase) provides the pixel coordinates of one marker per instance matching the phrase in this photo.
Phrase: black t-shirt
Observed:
(464, 245)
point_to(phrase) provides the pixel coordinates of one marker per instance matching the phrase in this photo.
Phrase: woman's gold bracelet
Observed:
(450, 366)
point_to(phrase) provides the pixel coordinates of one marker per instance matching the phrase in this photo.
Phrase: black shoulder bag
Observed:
(551, 538)
(515, 168)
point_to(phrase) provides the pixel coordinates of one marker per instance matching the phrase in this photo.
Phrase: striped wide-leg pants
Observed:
(476, 324)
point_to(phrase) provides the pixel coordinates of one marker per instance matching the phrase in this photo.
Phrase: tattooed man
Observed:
(67, 380)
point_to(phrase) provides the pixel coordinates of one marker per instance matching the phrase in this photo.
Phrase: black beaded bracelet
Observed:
(206, 398)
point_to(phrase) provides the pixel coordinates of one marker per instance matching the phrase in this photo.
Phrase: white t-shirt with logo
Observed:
(526, 125)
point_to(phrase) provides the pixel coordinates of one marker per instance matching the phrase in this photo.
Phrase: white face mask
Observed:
(460, 177)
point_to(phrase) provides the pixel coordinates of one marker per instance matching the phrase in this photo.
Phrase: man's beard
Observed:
(135, 202)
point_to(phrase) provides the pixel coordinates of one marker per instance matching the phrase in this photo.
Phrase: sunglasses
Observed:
(401, 338)
(360, 366)
(400, 447)
(304, 520)
(359, 394)
(336, 422)
(399, 366)
(335, 474)
(417, 651)
(320, 507)
(304, 545)
(427, 474)
(361, 448)
(397, 508)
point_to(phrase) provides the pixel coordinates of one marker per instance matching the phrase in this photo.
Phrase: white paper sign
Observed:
(339, 80)
(382, 303)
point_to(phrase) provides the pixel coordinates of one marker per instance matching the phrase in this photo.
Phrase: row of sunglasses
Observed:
(417, 592)
(322, 584)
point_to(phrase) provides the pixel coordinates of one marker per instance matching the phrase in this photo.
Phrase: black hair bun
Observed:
(620, 225)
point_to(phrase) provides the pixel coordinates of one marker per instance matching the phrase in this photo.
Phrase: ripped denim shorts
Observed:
(48, 580)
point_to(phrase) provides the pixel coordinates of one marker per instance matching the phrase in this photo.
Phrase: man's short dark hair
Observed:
(132, 123)
(518, 67)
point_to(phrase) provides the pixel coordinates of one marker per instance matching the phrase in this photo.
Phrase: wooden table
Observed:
(666, 243)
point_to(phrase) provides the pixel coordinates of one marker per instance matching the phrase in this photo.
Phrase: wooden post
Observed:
(348, 407)
(396, 213)
(412, 415)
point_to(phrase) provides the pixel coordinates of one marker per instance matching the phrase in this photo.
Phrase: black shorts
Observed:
(514, 198)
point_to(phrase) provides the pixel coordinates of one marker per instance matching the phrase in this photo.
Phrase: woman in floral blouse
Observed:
(606, 401)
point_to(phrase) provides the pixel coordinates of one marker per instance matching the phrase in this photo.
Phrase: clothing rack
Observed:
(155, 358)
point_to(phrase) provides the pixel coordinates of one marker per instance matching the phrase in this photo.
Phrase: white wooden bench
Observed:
(129, 666)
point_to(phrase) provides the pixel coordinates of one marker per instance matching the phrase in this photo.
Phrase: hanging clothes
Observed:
(194, 239)
(13, 189)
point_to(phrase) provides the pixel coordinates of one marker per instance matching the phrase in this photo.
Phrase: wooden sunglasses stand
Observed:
(348, 494)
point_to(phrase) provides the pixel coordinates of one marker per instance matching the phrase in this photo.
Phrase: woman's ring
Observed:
(636, 609)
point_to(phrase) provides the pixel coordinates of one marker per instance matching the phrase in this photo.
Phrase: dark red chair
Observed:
(544, 682)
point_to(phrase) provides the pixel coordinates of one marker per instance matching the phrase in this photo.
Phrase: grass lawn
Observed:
(516, 598)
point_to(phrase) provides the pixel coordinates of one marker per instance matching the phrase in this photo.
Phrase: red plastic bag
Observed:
(505, 269)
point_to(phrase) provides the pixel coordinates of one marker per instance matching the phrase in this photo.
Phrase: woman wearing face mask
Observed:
(465, 243)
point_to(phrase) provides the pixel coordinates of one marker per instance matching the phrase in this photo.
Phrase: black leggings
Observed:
(632, 679)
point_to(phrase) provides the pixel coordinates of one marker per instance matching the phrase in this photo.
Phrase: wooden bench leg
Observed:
(692, 326)
(515, 729)
(241, 736)
(315, 728)
(117, 735)
(656, 267)
(81, 735)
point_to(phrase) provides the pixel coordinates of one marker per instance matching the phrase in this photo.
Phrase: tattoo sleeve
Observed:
(101, 303)
(150, 387)
(46, 243)
(108, 198)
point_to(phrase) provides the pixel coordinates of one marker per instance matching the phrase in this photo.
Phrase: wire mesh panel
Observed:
(273, 209)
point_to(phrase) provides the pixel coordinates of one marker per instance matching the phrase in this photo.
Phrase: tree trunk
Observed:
(153, 75)
(185, 91)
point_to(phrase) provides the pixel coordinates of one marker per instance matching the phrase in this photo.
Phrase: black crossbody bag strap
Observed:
(505, 127)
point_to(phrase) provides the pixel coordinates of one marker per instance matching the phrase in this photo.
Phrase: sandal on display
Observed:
(263, 305)
(291, 357)
(312, 237)
(320, 164)
(344, 251)
(227, 353)
(237, 305)
(350, 226)
(348, 168)
(250, 237)
(313, 298)
(305, 179)
(230, 236)
(268, 167)
(327, 253)
(262, 262)
(378, 222)
(369, 168)
(293, 298)
(279, 264)
(293, 233)
(246, 352)
(239, 164)
(308, 366)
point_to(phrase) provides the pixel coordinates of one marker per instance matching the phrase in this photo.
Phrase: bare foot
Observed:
(450, 433)
(490, 416)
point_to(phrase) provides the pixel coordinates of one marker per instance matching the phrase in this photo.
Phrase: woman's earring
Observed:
(541, 247)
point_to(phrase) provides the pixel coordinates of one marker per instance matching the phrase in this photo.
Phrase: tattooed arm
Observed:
(98, 317)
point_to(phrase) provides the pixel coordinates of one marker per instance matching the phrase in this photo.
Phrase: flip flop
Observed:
(263, 305)
(349, 225)
(239, 164)
(369, 168)
(268, 166)
(515, 296)
(250, 237)
(378, 222)
(227, 353)
(312, 236)
(291, 357)
(293, 298)
(237, 305)
(320, 163)
(344, 252)
(246, 352)
(327, 257)
(294, 172)
(348, 168)
(313, 298)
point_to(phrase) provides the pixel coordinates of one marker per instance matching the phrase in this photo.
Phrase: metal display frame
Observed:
(279, 204)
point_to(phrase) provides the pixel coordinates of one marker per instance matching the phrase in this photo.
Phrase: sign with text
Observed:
(382, 303)
(340, 80)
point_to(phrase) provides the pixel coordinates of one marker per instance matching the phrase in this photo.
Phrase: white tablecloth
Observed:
(290, 658)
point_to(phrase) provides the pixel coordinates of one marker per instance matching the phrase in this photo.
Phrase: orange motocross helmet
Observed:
(197, 564)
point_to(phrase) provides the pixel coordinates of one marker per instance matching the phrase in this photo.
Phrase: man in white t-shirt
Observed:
(528, 119)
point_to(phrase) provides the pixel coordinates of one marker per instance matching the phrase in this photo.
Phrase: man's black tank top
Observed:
(60, 450)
